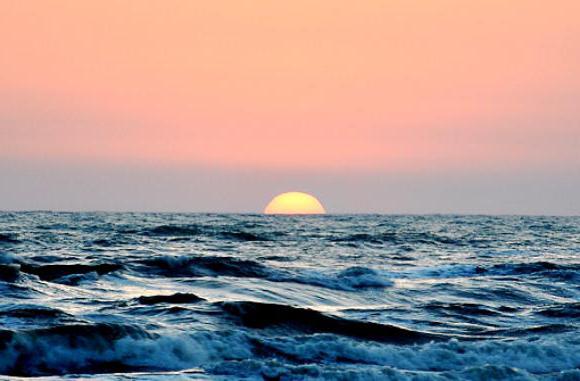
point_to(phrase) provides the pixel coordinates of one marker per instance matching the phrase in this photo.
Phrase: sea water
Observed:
(132, 296)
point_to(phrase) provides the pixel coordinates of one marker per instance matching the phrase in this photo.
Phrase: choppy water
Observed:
(186, 296)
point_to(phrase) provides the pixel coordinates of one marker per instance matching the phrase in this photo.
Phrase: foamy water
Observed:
(190, 296)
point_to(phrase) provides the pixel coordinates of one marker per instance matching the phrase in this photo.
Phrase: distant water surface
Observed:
(131, 296)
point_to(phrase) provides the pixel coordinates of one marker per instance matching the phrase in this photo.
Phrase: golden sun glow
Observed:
(294, 203)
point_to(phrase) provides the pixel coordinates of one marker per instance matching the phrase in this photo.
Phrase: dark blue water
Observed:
(188, 296)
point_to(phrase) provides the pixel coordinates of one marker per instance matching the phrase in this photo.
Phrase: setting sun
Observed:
(294, 203)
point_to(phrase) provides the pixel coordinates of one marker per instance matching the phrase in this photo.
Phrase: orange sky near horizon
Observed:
(399, 85)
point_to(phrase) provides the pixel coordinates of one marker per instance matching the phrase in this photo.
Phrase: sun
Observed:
(294, 203)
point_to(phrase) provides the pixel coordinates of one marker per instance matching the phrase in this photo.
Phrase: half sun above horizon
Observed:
(294, 203)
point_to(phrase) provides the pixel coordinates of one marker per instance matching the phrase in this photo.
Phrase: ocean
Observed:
(160, 296)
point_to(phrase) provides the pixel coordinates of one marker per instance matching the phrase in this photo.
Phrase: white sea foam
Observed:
(252, 370)
(535, 356)
(170, 351)
(349, 279)
(231, 353)
(453, 276)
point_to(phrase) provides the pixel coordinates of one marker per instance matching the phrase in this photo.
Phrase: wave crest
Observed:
(266, 315)
(112, 348)
(223, 232)
(197, 266)
(61, 272)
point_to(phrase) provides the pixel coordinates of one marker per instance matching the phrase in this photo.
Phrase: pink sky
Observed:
(400, 86)
(387, 84)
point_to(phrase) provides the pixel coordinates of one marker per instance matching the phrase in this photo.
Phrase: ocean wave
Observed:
(9, 238)
(177, 298)
(7, 258)
(548, 269)
(564, 310)
(173, 230)
(315, 349)
(327, 357)
(277, 370)
(507, 311)
(407, 238)
(107, 242)
(541, 267)
(349, 279)
(32, 312)
(9, 272)
(276, 258)
(469, 309)
(216, 232)
(49, 351)
(112, 348)
(543, 329)
(198, 266)
(56, 272)
(267, 315)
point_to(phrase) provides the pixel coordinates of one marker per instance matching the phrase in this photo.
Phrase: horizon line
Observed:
(327, 214)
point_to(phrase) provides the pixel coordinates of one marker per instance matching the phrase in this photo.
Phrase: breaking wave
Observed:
(197, 266)
(351, 278)
(265, 315)
(162, 296)
(56, 272)
(111, 348)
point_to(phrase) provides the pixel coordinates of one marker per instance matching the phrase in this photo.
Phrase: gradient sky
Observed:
(391, 106)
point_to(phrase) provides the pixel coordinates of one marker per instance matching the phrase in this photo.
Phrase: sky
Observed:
(394, 106)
